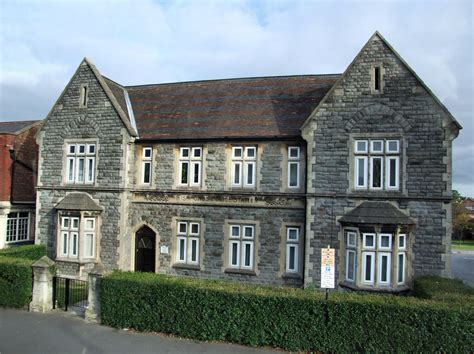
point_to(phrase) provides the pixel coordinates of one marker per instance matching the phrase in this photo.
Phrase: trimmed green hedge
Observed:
(16, 275)
(292, 319)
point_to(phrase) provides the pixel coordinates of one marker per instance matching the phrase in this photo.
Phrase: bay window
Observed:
(77, 240)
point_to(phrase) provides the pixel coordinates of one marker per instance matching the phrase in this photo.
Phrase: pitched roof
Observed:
(15, 127)
(376, 213)
(78, 201)
(261, 107)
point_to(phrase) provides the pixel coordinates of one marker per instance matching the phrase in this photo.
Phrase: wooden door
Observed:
(145, 250)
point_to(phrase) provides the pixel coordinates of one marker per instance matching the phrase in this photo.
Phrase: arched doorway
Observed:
(145, 250)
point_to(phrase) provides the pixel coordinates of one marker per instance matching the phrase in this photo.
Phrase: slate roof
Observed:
(78, 201)
(264, 107)
(117, 91)
(15, 127)
(376, 213)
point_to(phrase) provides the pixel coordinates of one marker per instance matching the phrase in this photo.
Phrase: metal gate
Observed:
(69, 292)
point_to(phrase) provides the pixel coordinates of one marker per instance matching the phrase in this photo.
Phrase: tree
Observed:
(462, 222)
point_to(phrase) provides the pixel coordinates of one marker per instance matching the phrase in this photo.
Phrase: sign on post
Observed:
(327, 268)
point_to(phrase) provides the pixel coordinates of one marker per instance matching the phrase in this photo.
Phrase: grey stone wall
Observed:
(405, 110)
(160, 218)
(98, 121)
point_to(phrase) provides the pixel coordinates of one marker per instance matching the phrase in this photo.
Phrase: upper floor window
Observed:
(190, 166)
(18, 227)
(81, 163)
(377, 164)
(244, 164)
(147, 158)
(293, 166)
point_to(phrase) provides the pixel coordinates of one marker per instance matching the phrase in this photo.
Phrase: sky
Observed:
(145, 41)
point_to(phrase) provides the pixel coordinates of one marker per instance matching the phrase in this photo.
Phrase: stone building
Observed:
(18, 168)
(247, 179)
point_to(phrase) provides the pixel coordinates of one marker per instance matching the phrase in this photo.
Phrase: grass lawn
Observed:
(464, 245)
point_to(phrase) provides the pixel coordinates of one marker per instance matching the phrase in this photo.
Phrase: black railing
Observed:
(69, 292)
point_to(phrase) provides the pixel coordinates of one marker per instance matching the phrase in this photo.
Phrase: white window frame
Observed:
(292, 243)
(403, 254)
(241, 240)
(74, 156)
(191, 161)
(404, 237)
(367, 155)
(147, 161)
(294, 161)
(352, 251)
(188, 236)
(364, 267)
(350, 234)
(388, 172)
(379, 267)
(244, 161)
(17, 220)
(89, 232)
(372, 158)
(382, 248)
(364, 243)
(70, 232)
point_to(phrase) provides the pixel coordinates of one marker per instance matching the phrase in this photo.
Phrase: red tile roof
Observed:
(264, 107)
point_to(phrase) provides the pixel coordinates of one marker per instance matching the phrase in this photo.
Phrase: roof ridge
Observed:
(230, 79)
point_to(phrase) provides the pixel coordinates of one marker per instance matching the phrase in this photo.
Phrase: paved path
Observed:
(58, 332)
(463, 266)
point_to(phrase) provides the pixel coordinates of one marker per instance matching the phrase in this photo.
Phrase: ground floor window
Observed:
(188, 235)
(375, 259)
(18, 227)
(77, 237)
(241, 246)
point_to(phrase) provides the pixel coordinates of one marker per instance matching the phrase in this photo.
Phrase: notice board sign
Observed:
(327, 268)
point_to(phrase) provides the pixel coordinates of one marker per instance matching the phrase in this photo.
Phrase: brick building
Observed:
(247, 179)
(18, 167)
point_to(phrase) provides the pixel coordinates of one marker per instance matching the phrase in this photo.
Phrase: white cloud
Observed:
(136, 42)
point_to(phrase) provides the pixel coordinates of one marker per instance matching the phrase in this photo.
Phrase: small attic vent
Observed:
(83, 95)
(376, 76)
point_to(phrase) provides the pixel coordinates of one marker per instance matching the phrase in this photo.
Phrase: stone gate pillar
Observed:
(93, 307)
(42, 285)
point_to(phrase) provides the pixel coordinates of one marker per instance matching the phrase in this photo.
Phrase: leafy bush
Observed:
(16, 275)
(31, 252)
(292, 319)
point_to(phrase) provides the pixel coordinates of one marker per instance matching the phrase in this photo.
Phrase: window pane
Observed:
(392, 146)
(75, 223)
(237, 152)
(385, 241)
(369, 240)
(92, 149)
(147, 152)
(248, 255)
(196, 173)
(234, 253)
(71, 170)
(361, 166)
(248, 231)
(250, 167)
(74, 244)
(82, 149)
(293, 234)
(350, 271)
(182, 249)
(392, 173)
(250, 152)
(184, 152)
(64, 240)
(146, 172)
(293, 152)
(80, 170)
(351, 239)
(194, 250)
(89, 245)
(182, 227)
(401, 268)
(235, 231)
(377, 146)
(361, 146)
(293, 174)
(384, 269)
(89, 224)
(90, 169)
(194, 228)
(72, 149)
(376, 172)
(368, 267)
(237, 173)
(196, 152)
(401, 241)
(11, 229)
(184, 172)
(291, 255)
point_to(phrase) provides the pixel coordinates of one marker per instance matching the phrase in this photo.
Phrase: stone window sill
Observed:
(76, 261)
(186, 266)
(291, 276)
(388, 290)
(240, 271)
